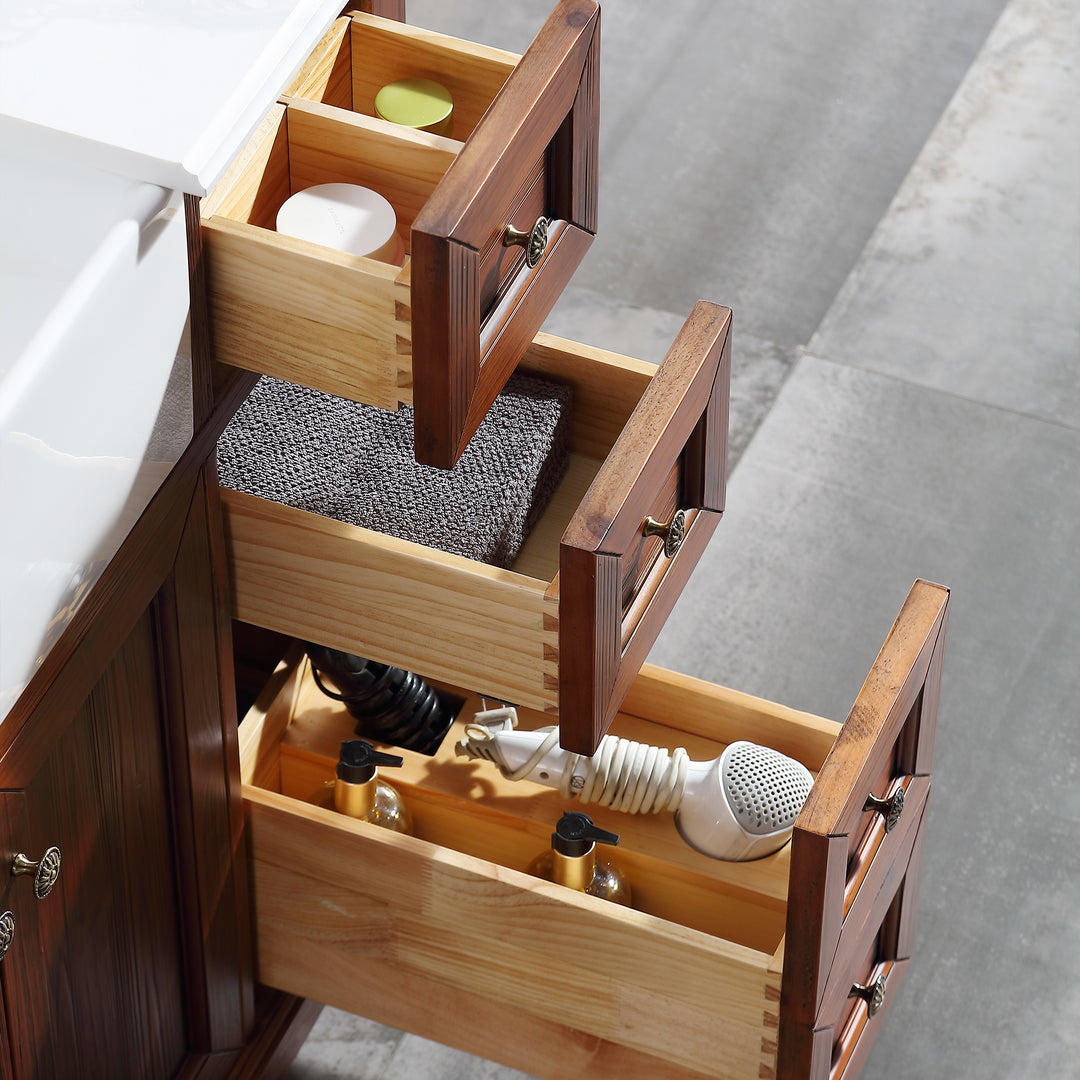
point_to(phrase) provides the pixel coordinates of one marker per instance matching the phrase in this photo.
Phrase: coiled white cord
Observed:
(626, 775)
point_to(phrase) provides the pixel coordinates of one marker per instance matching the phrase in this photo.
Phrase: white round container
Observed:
(346, 217)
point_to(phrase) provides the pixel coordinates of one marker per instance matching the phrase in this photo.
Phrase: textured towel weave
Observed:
(355, 463)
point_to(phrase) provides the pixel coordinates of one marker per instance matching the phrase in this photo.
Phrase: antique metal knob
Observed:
(873, 995)
(534, 242)
(890, 809)
(7, 932)
(674, 532)
(46, 870)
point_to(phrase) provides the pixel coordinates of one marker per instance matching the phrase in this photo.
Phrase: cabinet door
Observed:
(133, 965)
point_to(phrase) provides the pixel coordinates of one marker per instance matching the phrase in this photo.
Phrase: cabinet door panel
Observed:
(107, 943)
(122, 753)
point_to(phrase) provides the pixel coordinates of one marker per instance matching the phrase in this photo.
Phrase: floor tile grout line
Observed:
(931, 388)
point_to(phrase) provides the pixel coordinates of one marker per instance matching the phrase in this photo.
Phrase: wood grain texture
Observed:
(706, 709)
(328, 146)
(73, 666)
(518, 314)
(282, 308)
(446, 343)
(598, 670)
(607, 388)
(198, 326)
(440, 615)
(301, 313)
(654, 438)
(521, 121)
(284, 1023)
(331, 895)
(506, 1034)
(25, 1046)
(297, 310)
(471, 807)
(898, 930)
(862, 925)
(857, 1038)
(574, 174)
(324, 923)
(256, 182)
(326, 75)
(383, 52)
(844, 865)
(203, 754)
(106, 943)
(98, 742)
(295, 572)
(883, 706)
(469, 212)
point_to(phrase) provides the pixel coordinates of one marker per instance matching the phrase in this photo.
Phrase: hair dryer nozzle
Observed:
(742, 805)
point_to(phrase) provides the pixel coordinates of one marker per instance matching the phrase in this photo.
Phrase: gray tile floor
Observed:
(888, 196)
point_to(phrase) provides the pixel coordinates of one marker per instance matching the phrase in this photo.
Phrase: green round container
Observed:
(417, 103)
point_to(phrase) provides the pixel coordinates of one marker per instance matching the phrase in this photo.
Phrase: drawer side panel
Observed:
(388, 600)
(337, 899)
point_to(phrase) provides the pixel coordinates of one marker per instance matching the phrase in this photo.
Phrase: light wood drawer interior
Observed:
(452, 920)
(361, 54)
(298, 310)
(443, 331)
(441, 615)
(450, 618)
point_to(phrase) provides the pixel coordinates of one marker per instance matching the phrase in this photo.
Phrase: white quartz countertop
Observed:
(95, 397)
(109, 111)
(157, 90)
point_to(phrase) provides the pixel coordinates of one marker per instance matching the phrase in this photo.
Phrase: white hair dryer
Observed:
(739, 806)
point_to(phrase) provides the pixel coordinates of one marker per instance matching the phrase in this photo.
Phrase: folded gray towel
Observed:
(355, 463)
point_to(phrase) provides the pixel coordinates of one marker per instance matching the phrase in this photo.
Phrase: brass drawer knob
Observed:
(46, 870)
(674, 532)
(890, 809)
(7, 932)
(534, 242)
(873, 995)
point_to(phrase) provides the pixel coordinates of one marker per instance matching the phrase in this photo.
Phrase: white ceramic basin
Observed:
(159, 90)
(95, 400)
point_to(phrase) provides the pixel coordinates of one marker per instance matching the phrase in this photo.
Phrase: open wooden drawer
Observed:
(567, 627)
(446, 329)
(738, 970)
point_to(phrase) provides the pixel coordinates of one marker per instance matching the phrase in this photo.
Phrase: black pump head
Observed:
(575, 834)
(358, 760)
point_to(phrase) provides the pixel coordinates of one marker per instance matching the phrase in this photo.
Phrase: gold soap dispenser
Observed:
(359, 791)
(572, 860)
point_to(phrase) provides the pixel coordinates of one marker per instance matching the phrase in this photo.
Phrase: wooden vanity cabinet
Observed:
(122, 753)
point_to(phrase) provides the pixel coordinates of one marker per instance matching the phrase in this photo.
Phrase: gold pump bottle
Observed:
(572, 860)
(359, 792)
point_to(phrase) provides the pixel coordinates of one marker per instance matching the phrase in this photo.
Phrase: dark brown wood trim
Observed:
(857, 884)
(284, 1022)
(205, 772)
(202, 380)
(462, 355)
(679, 425)
(385, 9)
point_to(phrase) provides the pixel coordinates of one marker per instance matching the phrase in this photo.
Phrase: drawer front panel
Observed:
(537, 145)
(672, 452)
(856, 852)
